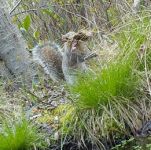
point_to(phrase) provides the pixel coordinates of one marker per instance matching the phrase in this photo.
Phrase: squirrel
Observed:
(63, 63)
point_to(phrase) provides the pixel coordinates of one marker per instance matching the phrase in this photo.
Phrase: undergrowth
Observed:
(109, 104)
(19, 135)
(118, 78)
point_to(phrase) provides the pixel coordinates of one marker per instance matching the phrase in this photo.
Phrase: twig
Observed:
(22, 12)
(15, 7)
(76, 15)
(90, 56)
(43, 7)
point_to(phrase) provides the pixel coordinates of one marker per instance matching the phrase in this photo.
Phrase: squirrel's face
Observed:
(76, 41)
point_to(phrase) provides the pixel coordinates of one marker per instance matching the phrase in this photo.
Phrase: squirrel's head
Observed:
(75, 40)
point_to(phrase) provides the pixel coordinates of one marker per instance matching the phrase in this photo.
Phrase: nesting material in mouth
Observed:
(81, 35)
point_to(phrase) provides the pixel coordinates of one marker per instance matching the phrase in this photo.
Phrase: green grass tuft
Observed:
(115, 79)
(18, 136)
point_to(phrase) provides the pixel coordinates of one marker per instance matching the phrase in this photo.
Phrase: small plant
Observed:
(19, 136)
(114, 80)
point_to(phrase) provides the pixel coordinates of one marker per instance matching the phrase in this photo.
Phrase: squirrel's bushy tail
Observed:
(49, 56)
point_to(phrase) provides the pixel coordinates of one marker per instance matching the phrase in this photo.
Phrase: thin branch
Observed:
(26, 11)
(42, 7)
(76, 15)
(90, 56)
(15, 7)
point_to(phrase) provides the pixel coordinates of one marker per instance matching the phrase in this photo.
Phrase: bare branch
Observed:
(90, 56)
(26, 11)
(15, 7)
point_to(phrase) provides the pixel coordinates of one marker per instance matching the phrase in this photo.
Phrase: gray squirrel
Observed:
(63, 63)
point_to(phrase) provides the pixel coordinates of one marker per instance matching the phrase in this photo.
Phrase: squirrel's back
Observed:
(64, 63)
(49, 56)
